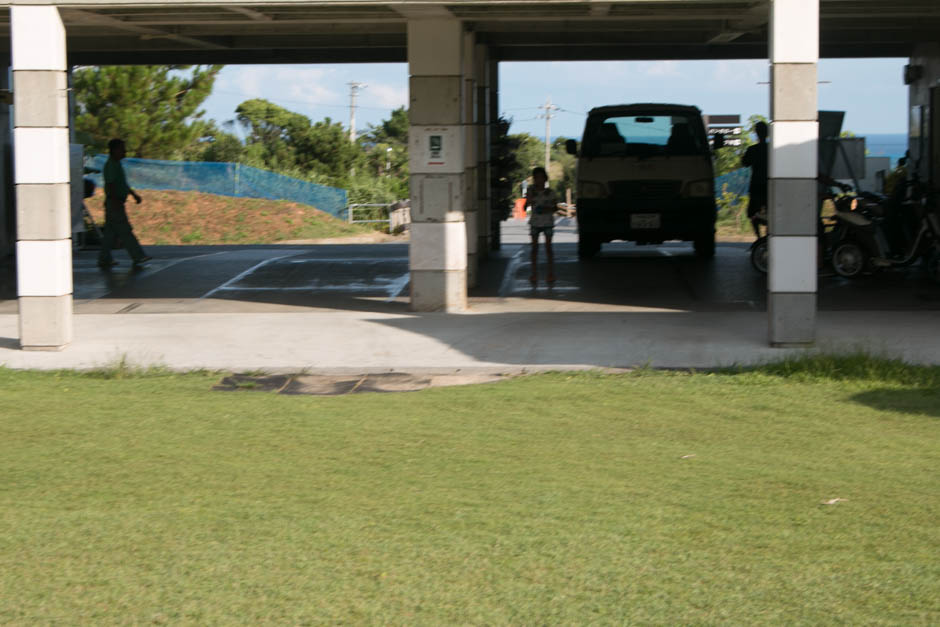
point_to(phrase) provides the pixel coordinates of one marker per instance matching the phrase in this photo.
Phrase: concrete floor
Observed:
(334, 309)
(374, 277)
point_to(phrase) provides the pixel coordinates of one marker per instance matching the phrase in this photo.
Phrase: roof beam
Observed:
(751, 20)
(257, 16)
(422, 11)
(87, 17)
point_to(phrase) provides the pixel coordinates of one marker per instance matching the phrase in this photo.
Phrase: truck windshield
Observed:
(644, 135)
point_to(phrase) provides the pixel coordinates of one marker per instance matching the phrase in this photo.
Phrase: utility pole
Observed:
(354, 89)
(548, 115)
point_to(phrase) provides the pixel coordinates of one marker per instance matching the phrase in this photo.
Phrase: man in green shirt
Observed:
(116, 224)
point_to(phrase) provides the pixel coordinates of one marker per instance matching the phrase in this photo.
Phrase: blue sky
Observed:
(869, 90)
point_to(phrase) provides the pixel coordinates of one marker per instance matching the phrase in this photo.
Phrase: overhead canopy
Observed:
(337, 31)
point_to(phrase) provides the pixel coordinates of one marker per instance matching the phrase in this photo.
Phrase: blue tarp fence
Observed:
(242, 181)
(737, 182)
(225, 179)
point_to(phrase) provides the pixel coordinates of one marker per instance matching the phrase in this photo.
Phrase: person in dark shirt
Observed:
(116, 225)
(755, 158)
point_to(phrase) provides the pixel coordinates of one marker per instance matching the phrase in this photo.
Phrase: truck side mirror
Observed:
(571, 146)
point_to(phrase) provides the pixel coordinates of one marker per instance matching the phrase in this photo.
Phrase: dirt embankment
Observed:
(173, 217)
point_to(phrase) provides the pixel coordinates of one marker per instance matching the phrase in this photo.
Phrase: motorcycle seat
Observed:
(853, 218)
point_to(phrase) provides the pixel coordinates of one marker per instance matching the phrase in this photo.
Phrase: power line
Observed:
(304, 102)
(354, 88)
(548, 115)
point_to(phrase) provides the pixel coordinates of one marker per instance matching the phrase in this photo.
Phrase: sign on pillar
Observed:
(438, 249)
(436, 150)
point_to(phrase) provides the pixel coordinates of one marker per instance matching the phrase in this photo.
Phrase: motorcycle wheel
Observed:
(759, 256)
(848, 259)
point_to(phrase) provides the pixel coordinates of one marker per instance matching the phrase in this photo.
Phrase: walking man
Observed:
(755, 158)
(116, 224)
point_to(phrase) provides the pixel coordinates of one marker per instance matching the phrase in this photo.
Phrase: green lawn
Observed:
(666, 498)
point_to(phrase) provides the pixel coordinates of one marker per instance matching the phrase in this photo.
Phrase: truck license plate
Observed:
(644, 221)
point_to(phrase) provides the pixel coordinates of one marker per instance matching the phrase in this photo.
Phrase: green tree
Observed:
(285, 141)
(273, 133)
(326, 149)
(394, 130)
(385, 146)
(530, 152)
(154, 108)
(504, 165)
(728, 158)
(563, 169)
(217, 145)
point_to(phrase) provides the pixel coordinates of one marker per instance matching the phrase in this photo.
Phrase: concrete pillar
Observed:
(7, 204)
(482, 65)
(492, 105)
(471, 149)
(794, 131)
(41, 174)
(924, 119)
(438, 251)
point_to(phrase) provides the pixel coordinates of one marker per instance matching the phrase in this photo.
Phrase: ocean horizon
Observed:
(892, 145)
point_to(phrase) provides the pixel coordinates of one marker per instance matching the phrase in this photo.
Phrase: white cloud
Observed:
(662, 68)
(288, 84)
(244, 80)
(385, 96)
(739, 74)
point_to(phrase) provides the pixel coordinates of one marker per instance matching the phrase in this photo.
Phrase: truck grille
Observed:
(645, 191)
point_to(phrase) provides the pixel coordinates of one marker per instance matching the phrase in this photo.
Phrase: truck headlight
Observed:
(699, 189)
(591, 189)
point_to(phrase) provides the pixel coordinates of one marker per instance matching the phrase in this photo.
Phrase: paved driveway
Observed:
(374, 277)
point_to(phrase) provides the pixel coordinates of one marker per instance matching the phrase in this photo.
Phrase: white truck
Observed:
(645, 175)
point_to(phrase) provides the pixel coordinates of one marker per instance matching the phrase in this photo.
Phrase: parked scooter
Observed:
(830, 233)
(882, 234)
(758, 251)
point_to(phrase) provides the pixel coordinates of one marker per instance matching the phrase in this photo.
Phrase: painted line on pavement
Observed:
(514, 262)
(244, 274)
(397, 286)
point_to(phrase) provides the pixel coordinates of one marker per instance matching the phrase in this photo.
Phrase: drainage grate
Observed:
(330, 385)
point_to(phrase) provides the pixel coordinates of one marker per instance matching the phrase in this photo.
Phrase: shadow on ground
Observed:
(917, 401)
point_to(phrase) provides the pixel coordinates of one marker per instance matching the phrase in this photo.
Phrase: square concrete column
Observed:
(492, 106)
(482, 138)
(437, 138)
(792, 202)
(41, 175)
(7, 191)
(471, 207)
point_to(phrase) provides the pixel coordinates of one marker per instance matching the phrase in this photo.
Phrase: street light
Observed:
(388, 160)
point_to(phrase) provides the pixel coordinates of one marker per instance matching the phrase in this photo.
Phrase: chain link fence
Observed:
(225, 179)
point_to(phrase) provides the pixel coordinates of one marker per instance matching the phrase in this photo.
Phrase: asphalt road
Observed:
(374, 277)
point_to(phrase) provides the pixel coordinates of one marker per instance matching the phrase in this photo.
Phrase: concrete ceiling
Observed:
(336, 31)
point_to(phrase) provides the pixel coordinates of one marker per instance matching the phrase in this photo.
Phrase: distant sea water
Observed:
(892, 145)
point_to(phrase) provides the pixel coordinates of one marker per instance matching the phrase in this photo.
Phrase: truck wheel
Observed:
(705, 245)
(933, 264)
(587, 247)
(759, 255)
